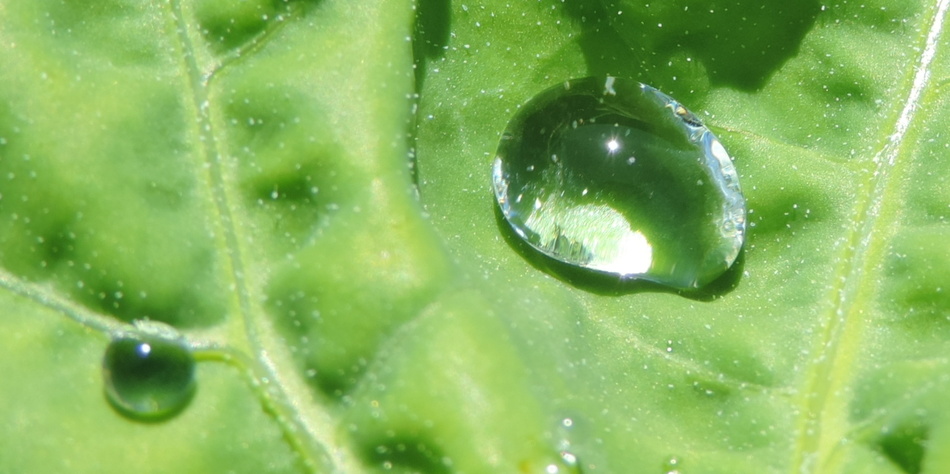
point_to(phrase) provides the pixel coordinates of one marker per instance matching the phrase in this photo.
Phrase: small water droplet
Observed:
(569, 458)
(565, 463)
(672, 466)
(148, 377)
(640, 188)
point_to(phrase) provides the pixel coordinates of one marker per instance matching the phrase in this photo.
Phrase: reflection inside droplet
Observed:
(617, 177)
(147, 377)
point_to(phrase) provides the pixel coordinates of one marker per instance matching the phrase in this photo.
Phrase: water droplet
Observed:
(565, 463)
(671, 466)
(569, 458)
(640, 187)
(148, 377)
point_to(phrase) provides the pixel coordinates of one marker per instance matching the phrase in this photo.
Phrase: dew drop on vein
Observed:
(148, 377)
(614, 176)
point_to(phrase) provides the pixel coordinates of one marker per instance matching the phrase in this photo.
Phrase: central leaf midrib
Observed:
(866, 235)
(285, 408)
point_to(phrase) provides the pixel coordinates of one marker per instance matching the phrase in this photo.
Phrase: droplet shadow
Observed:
(610, 285)
(740, 45)
(430, 38)
(430, 35)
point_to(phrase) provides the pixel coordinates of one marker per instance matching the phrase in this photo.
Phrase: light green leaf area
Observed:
(301, 189)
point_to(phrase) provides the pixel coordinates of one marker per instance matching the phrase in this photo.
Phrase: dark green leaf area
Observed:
(739, 44)
(430, 36)
(226, 25)
(99, 193)
(902, 412)
(904, 445)
(335, 326)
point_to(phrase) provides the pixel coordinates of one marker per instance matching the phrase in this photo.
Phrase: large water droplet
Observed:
(614, 176)
(148, 377)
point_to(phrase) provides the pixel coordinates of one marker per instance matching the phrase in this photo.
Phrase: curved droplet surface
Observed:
(147, 377)
(614, 176)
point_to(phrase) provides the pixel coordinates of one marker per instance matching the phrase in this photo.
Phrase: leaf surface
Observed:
(300, 188)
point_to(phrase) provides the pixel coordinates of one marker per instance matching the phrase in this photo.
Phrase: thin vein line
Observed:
(691, 366)
(909, 398)
(722, 130)
(287, 410)
(259, 40)
(920, 83)
(212, 156)
(872, 426)
(48, 298)
(855, 263)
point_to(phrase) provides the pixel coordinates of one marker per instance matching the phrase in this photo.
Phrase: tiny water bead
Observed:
(148, 377)
(614, 176)
(671, 466)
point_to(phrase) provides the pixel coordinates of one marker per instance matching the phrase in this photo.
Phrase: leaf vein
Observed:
(287, 407)
(833, 354)
(48, 298)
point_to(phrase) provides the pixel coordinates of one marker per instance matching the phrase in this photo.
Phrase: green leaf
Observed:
(301, 189)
